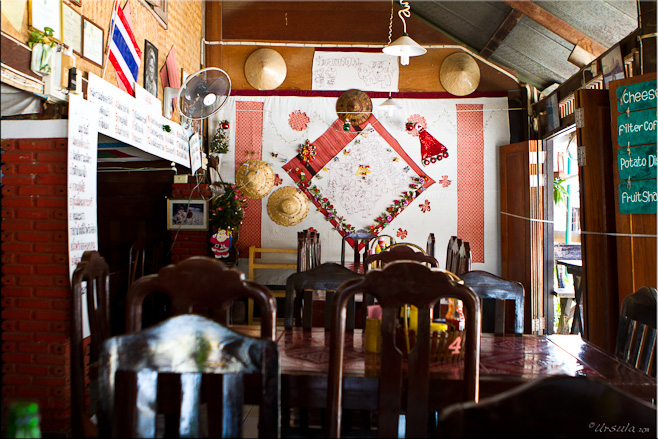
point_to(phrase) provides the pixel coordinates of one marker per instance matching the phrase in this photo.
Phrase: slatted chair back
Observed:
(200, 282)
(308, 250)
(489, 286)
(636, 336)
(188, 345)
(397, 252)
(400, 283)
(431, 244)
(357, 238)
(299, 294)
(91, 277)
(143, 259)
(555, 406)
(458, 259)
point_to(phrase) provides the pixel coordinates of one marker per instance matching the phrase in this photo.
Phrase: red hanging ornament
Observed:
(431, 149)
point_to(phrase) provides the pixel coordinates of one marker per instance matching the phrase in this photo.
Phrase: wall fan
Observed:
(201, 96)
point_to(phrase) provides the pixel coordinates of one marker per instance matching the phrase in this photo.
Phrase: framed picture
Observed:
(92, 42)
(150, 68)
(186, 214)
(46, 13)
(72, 28)
(612, 66)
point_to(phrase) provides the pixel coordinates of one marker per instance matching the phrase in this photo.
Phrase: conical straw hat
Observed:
(255, 178)
(287, 206)
(459, 74)
(265, 69)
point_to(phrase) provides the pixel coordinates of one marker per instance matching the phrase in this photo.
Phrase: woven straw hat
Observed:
(265, 69)
(459, 74)
(287, 206)
(354, 105)
(255, 178)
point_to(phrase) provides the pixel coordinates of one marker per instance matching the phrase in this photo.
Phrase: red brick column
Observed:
(186, 243)
(36, 288)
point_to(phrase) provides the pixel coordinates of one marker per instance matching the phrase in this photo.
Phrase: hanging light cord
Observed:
(406, 11)
(390, 25)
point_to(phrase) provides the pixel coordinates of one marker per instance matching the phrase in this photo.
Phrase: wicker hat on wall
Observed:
(265, 69)
(459, 74)
(255, 178)
(287, 206)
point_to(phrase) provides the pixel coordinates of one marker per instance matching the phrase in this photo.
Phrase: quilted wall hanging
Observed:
(379, 176)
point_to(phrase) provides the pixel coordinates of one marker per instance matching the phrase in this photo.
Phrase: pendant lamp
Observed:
(404, 47)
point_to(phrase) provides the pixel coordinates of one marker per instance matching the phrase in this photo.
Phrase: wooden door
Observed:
(597, 219)
(636, 242)
(521, 220)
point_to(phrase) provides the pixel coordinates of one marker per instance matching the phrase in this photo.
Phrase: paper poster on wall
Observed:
(131, 121)
(359, 70)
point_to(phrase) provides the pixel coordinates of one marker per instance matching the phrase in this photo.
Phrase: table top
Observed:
(505, 361)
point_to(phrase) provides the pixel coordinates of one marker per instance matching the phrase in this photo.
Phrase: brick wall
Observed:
(186, 243)
(35, 280)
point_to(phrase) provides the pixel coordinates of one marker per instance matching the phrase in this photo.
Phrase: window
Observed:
(159, 9)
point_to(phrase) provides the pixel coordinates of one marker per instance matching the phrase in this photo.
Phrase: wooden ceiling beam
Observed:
(557, 26)
(501, 33)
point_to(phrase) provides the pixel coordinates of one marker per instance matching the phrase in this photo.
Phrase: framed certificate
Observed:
(72, 28)
(46, 13)
(92, 42)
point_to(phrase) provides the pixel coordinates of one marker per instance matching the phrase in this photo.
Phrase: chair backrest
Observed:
(489, 286)
(556, 406)
(299, 294)
(431, 244)
(92, 278)
(308, 249)
(358, 237)
(398, 252)
(458, 258)
(400, 283)
(200, 282)
(143, 259)
(189, 345)
(636, 336)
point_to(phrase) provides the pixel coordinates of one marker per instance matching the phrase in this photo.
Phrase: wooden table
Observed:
(505, 362)
(575, 268)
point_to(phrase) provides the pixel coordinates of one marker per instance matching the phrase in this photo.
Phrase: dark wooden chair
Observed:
(143, 259)
(489, 286)
(359, 237)
(400, 283)
(299, 294)
(636, 336)
(552, 407)
(400, 251)
(458, 258)
(431, 244)
(308, 250)
(187, 345)
(91, 277)
(203, 285)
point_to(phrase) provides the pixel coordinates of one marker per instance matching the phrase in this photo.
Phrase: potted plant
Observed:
(226, 215)
(42, 45)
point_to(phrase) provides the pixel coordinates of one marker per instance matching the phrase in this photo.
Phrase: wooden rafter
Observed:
(557, 26)
(501, 33)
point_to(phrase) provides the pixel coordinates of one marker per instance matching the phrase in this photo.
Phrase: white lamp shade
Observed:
(404, 47)
(389, 105)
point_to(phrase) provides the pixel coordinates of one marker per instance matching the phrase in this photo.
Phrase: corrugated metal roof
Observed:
(538, 54)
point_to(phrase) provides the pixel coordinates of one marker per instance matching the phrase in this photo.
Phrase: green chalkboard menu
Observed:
(636, 132)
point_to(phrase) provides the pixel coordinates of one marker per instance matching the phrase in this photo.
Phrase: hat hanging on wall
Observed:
(255, 178)
(287, 206)
(265, 69)
(354, 106)
(459, 74)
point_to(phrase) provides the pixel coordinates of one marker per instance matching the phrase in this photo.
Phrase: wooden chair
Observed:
(400, 251)
(143, 259)
(299, 294)
(201, 282)
(400, 283)
(458, 258)
(431, 244)
(636, 336)
(556, 406)
(308, 250)
(359, 237)
(490, 286)
(91, 277)
(188, 345)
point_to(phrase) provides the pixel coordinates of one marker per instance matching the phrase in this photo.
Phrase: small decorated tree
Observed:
(219, 142)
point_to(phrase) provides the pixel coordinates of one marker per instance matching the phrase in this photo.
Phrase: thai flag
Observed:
(124, 53)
